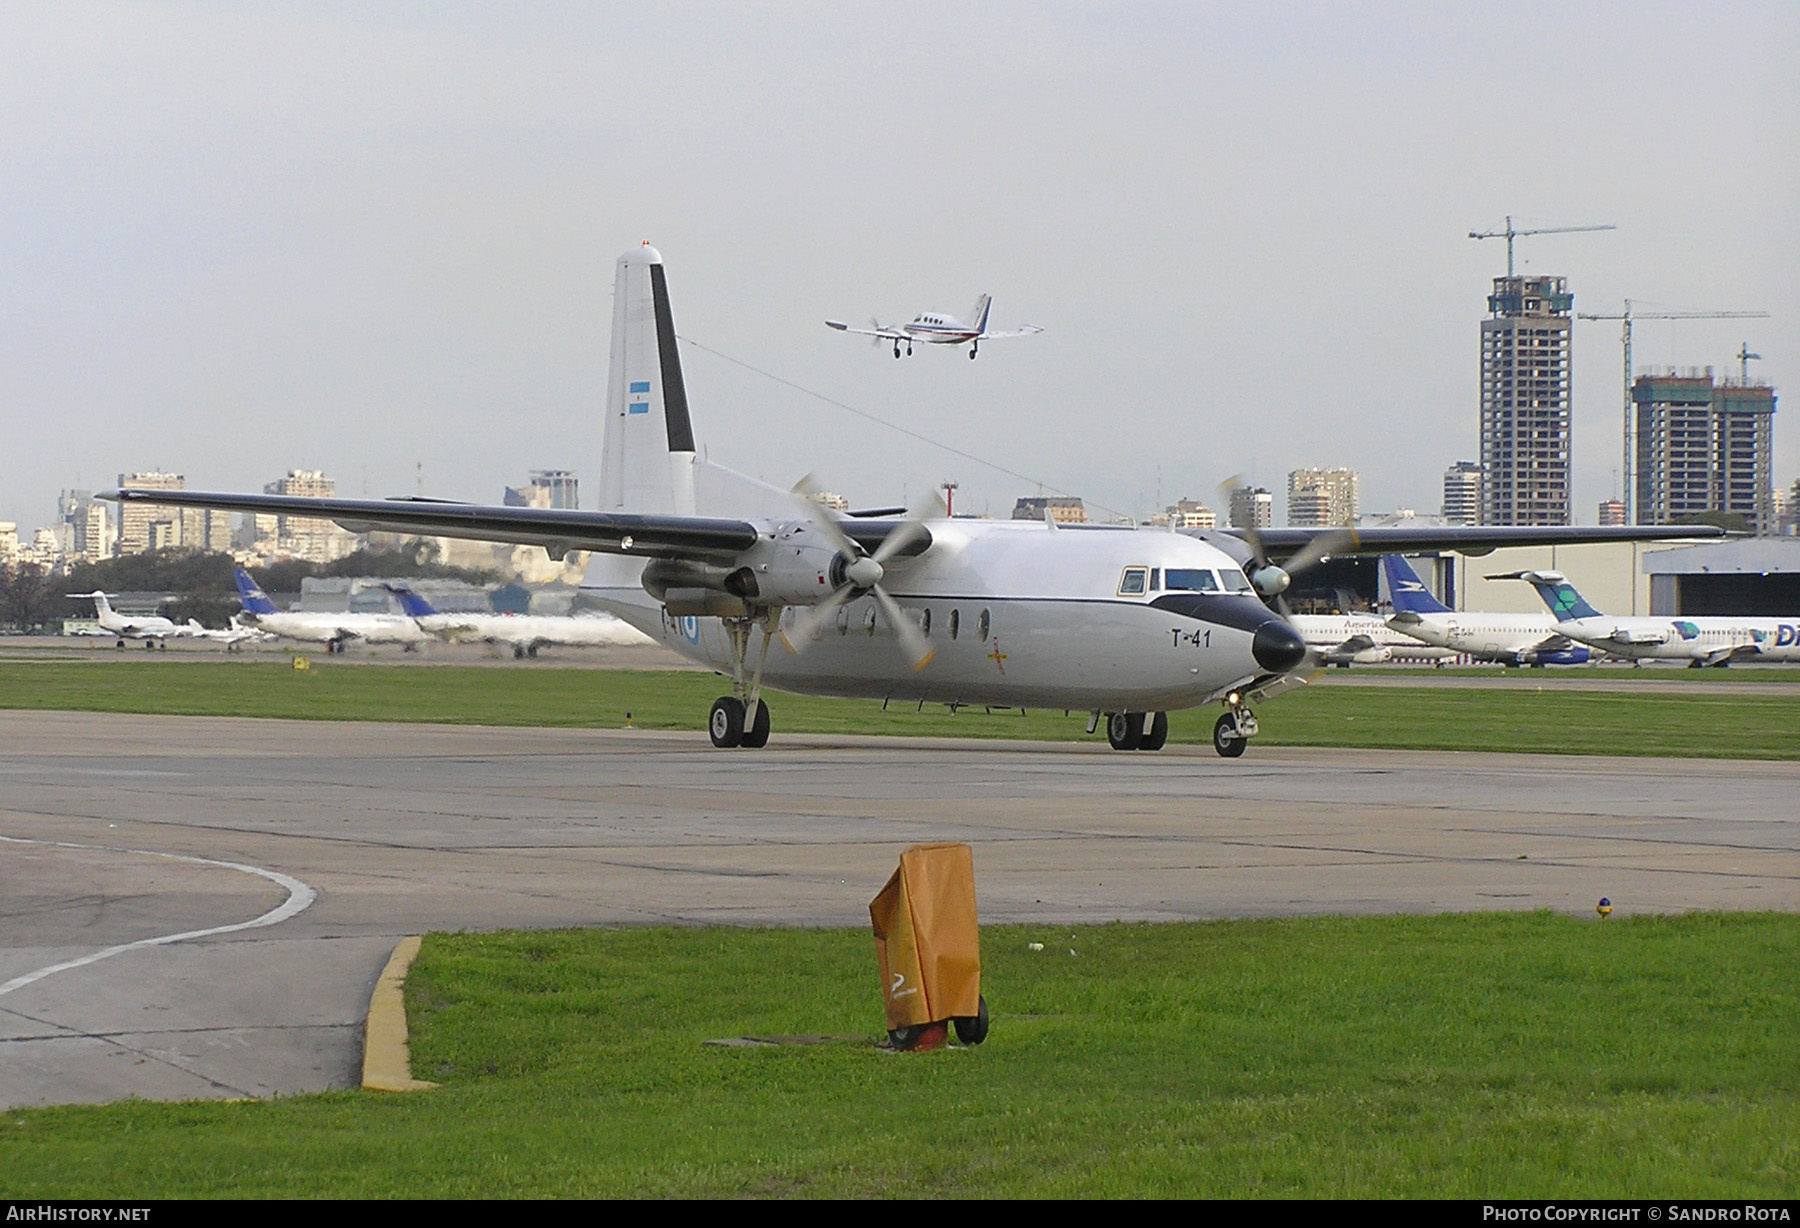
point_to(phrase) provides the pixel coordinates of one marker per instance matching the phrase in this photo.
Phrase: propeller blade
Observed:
(1252, 535)
(905, 630)
(823, 520)
(1318, 549)
(925, 508)
(814, 619)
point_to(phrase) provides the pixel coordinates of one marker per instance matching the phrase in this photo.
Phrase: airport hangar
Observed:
(1753, 577)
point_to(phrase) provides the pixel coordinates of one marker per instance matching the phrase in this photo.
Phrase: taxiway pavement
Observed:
(123, 829)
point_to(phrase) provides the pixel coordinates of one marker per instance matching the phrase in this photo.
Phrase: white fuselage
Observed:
(940, 330)
(1487, 637)
(1359, 639)
(531, 631)
(1018, 614)
(324, 628)
(1711, 640)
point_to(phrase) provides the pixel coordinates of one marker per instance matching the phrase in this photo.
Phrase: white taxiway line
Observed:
(300, 898)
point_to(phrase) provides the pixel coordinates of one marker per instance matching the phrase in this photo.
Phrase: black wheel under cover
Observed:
(1156, 732)
(973, 1031)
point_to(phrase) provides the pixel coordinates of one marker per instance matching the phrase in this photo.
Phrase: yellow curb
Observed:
(387, 1065)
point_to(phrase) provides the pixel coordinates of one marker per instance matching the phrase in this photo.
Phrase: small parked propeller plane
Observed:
(937, 328)
(1116, 621)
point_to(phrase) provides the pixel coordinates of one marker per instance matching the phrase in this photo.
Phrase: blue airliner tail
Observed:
(411, 604)
(255, 600)
(1407, 591)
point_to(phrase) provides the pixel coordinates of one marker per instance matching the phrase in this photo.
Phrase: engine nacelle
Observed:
(788, 570)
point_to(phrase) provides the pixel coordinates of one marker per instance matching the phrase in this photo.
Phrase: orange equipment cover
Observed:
(926, 937)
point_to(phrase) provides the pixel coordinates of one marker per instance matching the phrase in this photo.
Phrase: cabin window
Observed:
(981, 627)
(1156, 579)
(1132, 583)
(1235, 580)
(955, 622)
(1192, 580)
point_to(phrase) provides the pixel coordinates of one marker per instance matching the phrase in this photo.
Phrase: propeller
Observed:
(1269, 580)
(863, 573)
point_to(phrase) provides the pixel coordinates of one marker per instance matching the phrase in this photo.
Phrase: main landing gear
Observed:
(742, 718)
(1137, 730)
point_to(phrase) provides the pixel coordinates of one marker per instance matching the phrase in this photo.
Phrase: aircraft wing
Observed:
(1024, 330)
(1465, 539)
(886, 334)
(557, 529)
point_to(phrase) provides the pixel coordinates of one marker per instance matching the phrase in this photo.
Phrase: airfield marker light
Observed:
(1604, 908)
(628, 723)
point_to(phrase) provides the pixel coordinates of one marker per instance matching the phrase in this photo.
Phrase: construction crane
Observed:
(1509, 234)
(1744, 356)
(1628, 315)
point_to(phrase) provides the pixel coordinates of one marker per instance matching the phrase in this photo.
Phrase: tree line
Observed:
(31, 597)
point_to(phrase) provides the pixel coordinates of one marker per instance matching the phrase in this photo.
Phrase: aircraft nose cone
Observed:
(1277, 647)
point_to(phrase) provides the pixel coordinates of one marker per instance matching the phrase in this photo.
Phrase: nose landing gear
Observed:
(1233, 731)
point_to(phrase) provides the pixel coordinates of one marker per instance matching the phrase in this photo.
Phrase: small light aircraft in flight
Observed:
(937, 328)
(1121, 623)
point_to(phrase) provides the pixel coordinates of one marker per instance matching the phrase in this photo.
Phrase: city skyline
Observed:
(349, 262)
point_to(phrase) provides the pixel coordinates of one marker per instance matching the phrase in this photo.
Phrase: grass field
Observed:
(1500, 1055)
(1545, 718)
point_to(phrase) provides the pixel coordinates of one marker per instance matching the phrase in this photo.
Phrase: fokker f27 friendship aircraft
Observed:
(931, 328)
(1115, 621)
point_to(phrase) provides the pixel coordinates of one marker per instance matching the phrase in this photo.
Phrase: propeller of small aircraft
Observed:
(1269, 580)
(863, 573)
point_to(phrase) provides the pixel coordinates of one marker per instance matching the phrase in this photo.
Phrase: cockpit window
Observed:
(1235, 580)
(1191, 579)
(1133, 582)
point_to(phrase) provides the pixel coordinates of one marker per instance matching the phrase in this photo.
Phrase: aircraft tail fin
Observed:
(978, 314)
(646, 459)
(102, 607)
(1407, 591)
(255, 600)
(1558, 594)
(411, 604)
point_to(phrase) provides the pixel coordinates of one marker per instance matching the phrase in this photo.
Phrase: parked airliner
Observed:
(1122, 623)
(153, 629)
(1360, 639)
(330, 629)
(937, 328)
(523, 633)
(1699, 640)
(1511, 639)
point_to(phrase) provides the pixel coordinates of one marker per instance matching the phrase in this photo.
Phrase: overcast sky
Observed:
(378, 239)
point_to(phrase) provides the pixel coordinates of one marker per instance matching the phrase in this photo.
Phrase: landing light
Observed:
(1233, 699)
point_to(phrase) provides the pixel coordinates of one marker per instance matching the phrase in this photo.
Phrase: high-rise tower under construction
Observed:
(1525, 371)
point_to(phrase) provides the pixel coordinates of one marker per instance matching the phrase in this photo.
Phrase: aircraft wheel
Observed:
(121, 643)
(1125, 730)
(726, 725)
(518, 652)
(532, 652)
(1226, 740)
(971, 354)
(1156, 732)
(973, 1031)
(756, 730)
